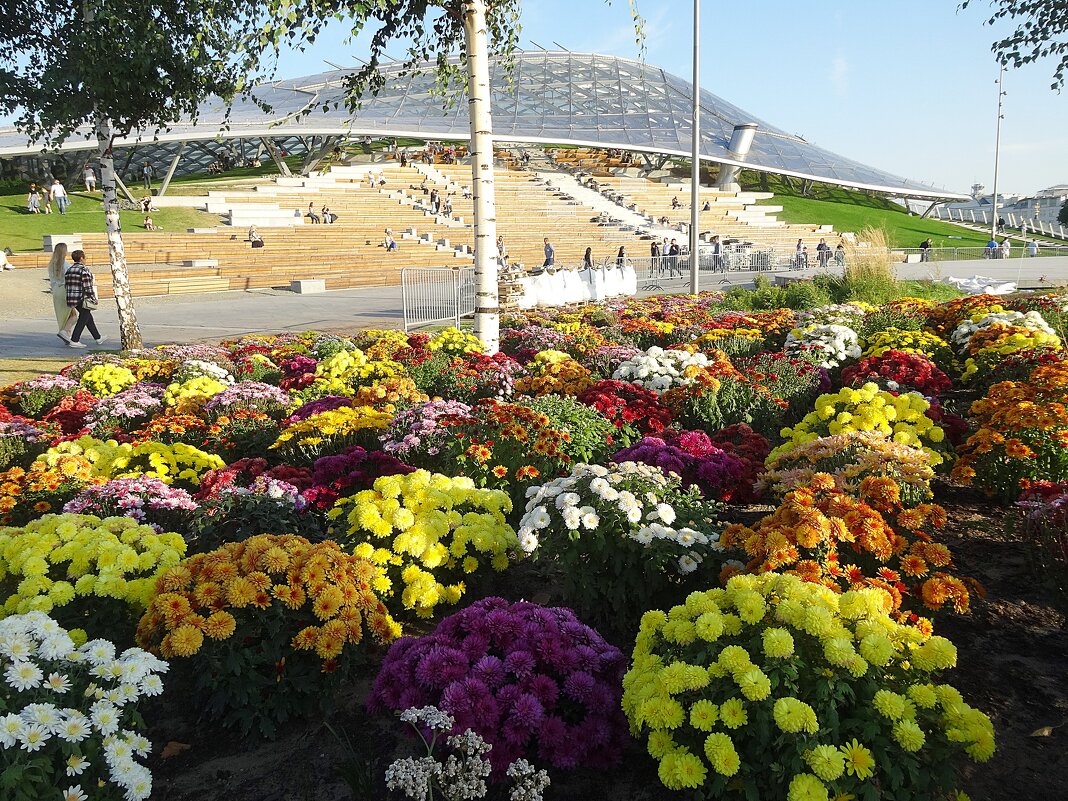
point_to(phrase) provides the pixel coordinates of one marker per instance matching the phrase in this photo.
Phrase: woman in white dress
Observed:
(57, 268)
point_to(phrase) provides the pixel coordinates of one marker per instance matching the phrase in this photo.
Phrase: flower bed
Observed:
(270, 514)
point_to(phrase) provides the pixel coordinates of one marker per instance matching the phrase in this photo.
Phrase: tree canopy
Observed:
(1041, 32)
(141, 65)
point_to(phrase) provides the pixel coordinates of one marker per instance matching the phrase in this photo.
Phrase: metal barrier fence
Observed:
(437, 295)
(966, 254)
(1012, 220)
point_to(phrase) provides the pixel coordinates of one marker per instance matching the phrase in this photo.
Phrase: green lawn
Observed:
(22, 231)
(850, 210)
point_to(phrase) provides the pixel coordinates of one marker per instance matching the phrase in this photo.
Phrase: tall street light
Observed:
(997, 151)
(695, 167)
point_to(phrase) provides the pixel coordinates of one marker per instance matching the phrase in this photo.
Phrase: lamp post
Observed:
(997, 151)
(695, 174)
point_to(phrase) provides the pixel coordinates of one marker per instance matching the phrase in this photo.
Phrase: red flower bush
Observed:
(244, 471)
(69, 414)
(635, 411)
(899, 371)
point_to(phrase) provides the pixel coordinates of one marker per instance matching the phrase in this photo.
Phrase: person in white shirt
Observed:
(1006, 248)
(90, 178)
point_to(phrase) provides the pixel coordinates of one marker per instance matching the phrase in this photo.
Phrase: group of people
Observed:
(824, 254)
(74, 297)
(325, 216)
(39, 200)
(1003, 250)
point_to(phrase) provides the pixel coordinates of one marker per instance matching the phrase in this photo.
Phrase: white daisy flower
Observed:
(74, 728)
(76, 765)
(23, 676)
(11, 728)
(57, 682)
(687, 564)
(74, 793)
(33, 737)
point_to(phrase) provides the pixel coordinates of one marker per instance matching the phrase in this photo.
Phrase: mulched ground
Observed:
(1013, 664)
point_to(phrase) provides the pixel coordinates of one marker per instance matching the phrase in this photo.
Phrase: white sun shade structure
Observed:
(553, 98)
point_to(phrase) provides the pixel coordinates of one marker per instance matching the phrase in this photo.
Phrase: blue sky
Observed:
(904, 85)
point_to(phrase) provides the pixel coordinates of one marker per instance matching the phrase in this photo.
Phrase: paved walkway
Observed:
(28, 325)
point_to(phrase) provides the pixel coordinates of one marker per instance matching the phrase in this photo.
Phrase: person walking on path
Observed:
(33, 200)
(90, 178)
(550, 254)
(146, 175)
(925, 250)
(1032, 248)
(82, 298)
(840, 254)
(57, 270)
(587, 259)
(621, 257)
(59, 195)
(1006, 248)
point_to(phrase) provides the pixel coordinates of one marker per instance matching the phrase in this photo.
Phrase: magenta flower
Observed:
(535, 682)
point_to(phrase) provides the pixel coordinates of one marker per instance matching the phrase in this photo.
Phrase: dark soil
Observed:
(1012, 664)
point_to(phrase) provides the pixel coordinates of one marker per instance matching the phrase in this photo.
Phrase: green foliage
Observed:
(235, 517)
(172, 57)
(1062, 215)
(1041, 29)
(589, 432)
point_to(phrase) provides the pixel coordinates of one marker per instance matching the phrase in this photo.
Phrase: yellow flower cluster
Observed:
(455, 342)
(111, 459)
(105, 380)
(326, 597)
(704, 670)
(554, 372)
(930, 345)
(428, 530)
(902, 418)
(385, 395)
(191, 396)
(55, 559)
(158, 370)
(346, 370)
(385, 342)
(338, 428)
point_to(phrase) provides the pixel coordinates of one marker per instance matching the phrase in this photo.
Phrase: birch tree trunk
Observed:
(487, 311)
(129, 332)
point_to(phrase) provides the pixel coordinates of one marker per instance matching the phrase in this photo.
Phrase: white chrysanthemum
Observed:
(74, 728)
(74, 793)
(45, 715)
(687, 564)
(666, 513)
(33, 737)
(590, 519)
(99, 652)
(151, 685)
(567, 499)
(56, 646)
(23, 675)
(11, 728)
(17, 647)
(538, 518)
(105, 717)
(572, 517)
(57, 682)
(77, 765)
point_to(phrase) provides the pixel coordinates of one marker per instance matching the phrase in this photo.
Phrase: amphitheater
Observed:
(585, 150)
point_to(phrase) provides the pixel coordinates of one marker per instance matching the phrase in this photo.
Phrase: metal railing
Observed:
(1020, 222)
(436, 295)
(967, 254)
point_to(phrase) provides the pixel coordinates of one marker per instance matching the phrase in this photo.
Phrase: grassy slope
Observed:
(849, 210)
(22, 231)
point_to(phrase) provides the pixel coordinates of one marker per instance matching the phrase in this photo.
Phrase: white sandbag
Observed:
(528, 299)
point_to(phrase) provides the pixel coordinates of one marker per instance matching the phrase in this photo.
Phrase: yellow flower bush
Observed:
(385, 395)
(190, 396)
(331, 431)
(105, 380)
(305, 607)
(554, 372)
(930, 345)
(66, 565)
(169, 463)
(428, 531)
(347, 370)
(902, 418)
(773, 669)
(453, 341)
(384, 342)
